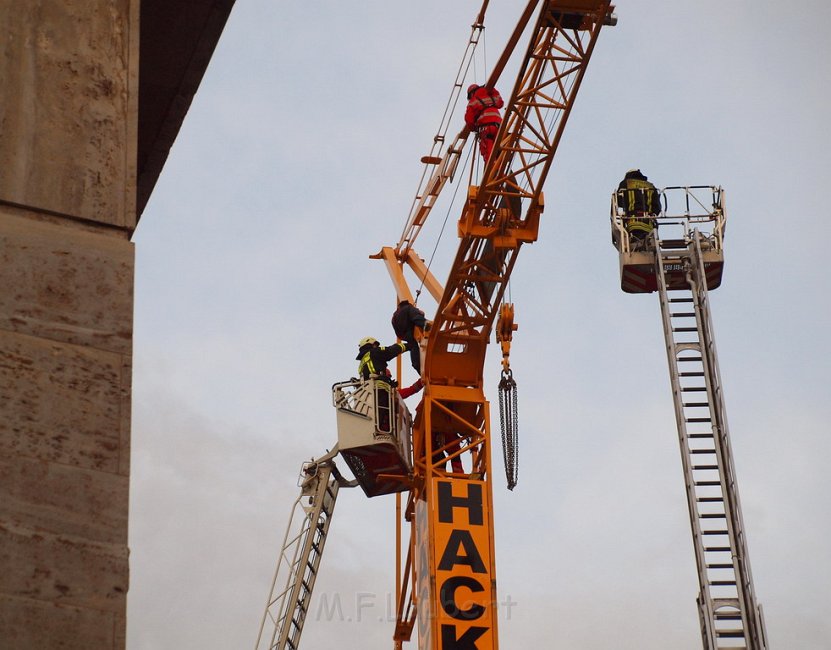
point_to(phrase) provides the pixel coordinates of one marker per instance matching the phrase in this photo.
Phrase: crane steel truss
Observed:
(728, 613)
(451, 544)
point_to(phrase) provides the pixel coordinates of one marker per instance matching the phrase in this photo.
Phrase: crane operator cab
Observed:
(374, 434)
(687, 214)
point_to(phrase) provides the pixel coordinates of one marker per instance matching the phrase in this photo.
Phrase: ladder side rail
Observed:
(443, 169)
(427, 195)
(288, 560)
(704, 599)
(312, 566)
(697, 282)
(744, 583)
(300, 595)
(298, 557)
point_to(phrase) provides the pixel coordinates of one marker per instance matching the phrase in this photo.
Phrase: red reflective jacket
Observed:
(483, 107)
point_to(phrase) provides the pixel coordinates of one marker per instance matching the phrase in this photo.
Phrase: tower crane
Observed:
(682, 260)
(446, 577)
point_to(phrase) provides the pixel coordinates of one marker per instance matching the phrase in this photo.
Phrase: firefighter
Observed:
(641, 203)
(374, 358)
(482, 115)
(409, 323)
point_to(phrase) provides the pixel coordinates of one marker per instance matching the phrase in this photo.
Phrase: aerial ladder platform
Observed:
(374, 439)
(681, 260)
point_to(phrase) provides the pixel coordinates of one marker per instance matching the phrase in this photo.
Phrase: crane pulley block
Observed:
(500, 220)
(505, 328)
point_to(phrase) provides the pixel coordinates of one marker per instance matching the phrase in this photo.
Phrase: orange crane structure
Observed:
(446, 576)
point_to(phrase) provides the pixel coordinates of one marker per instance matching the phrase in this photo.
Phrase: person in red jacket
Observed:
(483, 116)
(411, 390)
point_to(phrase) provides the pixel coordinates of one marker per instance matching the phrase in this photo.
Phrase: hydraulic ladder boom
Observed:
(299, 559)
(728, 613)
(682, 269)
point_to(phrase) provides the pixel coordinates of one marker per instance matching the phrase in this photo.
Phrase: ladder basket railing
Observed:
(374, 399)
(683, 209)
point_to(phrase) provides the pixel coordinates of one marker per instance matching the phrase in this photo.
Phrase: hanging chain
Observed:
(509, 421)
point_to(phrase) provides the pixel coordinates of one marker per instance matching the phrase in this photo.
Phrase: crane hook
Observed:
(508, 411)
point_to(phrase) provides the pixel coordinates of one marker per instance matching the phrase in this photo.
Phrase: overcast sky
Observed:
(300, 157)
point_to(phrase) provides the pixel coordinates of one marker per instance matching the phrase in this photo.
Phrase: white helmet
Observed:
(367, 340)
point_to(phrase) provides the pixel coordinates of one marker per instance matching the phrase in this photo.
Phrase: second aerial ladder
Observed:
(681, 262)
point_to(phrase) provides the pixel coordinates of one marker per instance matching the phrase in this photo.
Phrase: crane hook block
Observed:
(505, 328)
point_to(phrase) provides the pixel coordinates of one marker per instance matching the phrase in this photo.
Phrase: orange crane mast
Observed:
(447, 581)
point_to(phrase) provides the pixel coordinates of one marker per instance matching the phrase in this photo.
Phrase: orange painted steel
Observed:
(449, 585)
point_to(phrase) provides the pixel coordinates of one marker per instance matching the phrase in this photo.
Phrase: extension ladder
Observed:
(299, 559)
(728, 613)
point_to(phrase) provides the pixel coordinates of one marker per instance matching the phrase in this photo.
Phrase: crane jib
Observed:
(454, 575)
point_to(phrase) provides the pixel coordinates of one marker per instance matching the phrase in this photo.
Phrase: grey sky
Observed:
(299, 158)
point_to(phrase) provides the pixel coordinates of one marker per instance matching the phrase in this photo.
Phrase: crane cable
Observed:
(443, 226)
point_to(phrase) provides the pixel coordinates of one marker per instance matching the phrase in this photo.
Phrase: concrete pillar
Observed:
(68, 119)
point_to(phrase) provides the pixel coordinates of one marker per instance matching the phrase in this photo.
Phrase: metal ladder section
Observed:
(299, 559)
(728, 613)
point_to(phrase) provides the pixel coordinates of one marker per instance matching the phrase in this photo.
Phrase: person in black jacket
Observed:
(374, 358)
(641, 202)
(409, 322)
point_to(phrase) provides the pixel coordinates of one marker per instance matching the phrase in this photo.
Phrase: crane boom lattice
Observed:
(450, 512)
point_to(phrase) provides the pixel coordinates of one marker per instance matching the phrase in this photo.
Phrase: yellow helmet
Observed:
(367, 340)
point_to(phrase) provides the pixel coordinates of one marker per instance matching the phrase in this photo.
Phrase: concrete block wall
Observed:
(68, 73)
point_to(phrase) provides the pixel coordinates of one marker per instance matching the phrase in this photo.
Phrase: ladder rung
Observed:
(683, 314)
(707, 483)
(696, 404)
(723, 583)
(697, 373)
(710, 499)
(700, 435)
(689, 359)
(717, 549)
(730, 634)
(680, 300)
(699, 420)
(705, 466)
(713, 532)
(702, 451)
(719, 566)
(713, 515)
(684, 329)
(693, 389)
